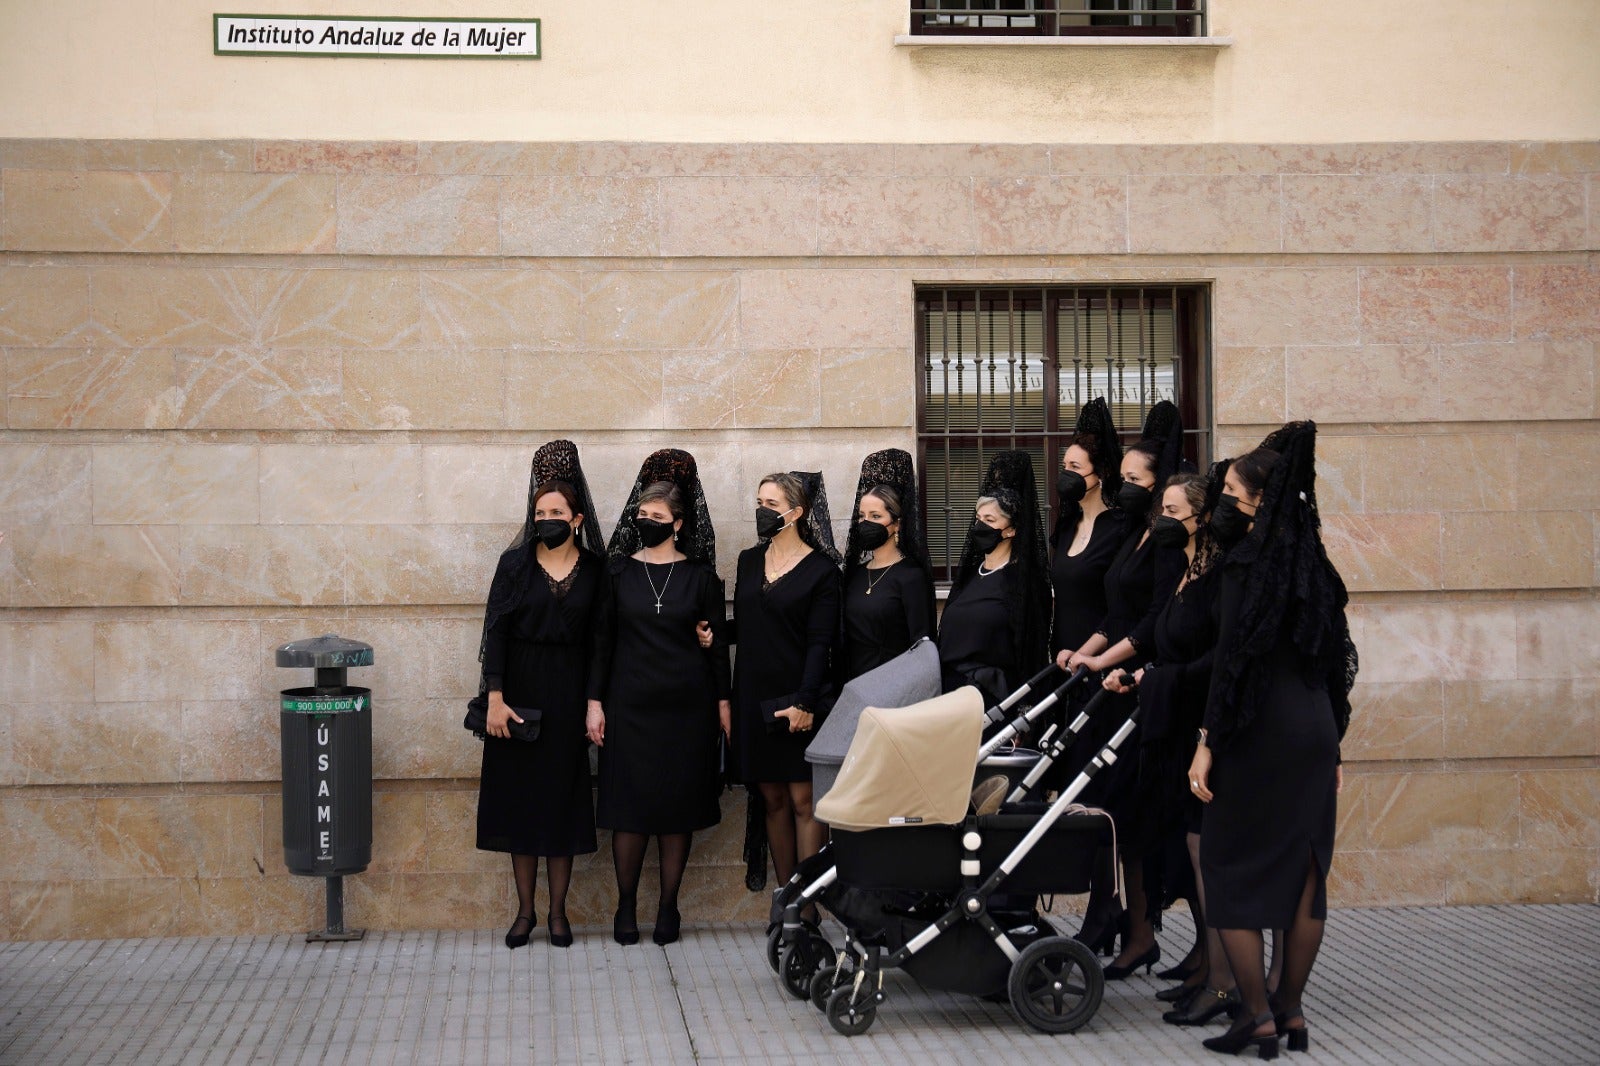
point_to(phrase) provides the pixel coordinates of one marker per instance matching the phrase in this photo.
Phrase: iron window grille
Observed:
(1008, 367)
(1060, 18)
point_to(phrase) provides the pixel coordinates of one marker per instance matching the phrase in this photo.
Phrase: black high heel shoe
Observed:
(1101, 938)
(560, 940)
(624, 934)
(1181, 972)
(1202, 1008)
(1297, 1039)
(667, 927)
(1147, 960)
(514, 939)
(1242, 1034)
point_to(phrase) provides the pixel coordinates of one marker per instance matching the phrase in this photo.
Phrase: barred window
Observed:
(1060, 18)
(1003, 368)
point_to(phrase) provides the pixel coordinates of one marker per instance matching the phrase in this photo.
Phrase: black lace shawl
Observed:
(1010, 481)
(817, 529)
(892, 467)
(556, 460)
(1290, 592)
(1095, 418)
(697, 539)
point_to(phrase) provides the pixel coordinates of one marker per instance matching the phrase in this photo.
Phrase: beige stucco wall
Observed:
(824, 71)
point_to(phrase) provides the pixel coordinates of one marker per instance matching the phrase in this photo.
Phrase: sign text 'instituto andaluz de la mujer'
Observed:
(377, 37)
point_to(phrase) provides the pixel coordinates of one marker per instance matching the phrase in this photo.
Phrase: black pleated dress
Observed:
(885, 611)
(1080, 580)
(976, 643)
(785, 632)
(1275, 802)
(536, 798)
(659, 769)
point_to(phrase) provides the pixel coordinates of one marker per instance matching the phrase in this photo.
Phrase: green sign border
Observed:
(216, 17)
(323, 705)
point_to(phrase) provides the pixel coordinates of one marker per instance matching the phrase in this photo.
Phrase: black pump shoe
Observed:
(560, 940)
(625, 934)
(1147, 960)
(514, 939)
(667, 927)
(1242, 1034)
(1205, 1006)
(1183, 971)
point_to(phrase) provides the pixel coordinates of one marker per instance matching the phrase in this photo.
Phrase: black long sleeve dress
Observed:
(658, 765)
(785, 632)
(1275, 801)
(885, 611)
(1172, 702)
(1080, 580)
(534, 798)
(976, 643)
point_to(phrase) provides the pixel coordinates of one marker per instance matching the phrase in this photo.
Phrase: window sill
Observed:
(913, 40)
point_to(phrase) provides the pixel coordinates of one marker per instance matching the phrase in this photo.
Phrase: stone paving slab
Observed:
(1515, 984)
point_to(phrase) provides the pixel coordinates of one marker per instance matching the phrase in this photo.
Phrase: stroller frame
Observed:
(1039, 984)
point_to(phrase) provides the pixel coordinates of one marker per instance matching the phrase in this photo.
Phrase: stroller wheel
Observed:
(823, 982)
(798, 965)
(1056, 985)
(849, 1017)
(774, 945)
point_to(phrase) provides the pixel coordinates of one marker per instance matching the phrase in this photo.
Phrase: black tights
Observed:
(1300, 943)
(627, 852)
(558, 868)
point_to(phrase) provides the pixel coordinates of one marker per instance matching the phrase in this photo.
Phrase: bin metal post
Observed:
(327, 772)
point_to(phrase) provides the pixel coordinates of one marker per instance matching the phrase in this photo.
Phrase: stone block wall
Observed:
(258, 391)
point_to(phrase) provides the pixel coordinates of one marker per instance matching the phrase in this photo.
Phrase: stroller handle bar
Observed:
(998, 713)
(1021, 725)
(1053, 750)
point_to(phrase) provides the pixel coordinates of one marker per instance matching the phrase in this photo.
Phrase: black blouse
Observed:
(573, 611)
(1080, 580)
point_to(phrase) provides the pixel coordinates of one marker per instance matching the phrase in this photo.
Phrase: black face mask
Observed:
(984, 537)
(1135, 499)
(651, 532)
(552, 532)
(1169, 532)
(1228, 523)
(1071, 486)
(769, 523)
(870, 536)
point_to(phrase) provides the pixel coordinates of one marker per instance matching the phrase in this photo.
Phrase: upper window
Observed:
(1061, 18)
(1005, 368)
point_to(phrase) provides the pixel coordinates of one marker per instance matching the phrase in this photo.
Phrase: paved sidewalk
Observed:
(1457, 985)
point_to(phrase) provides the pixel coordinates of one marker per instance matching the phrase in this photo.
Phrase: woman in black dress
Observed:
(665, 697)
(994, 632)
(785, 614)
(1089, 528)
(1172, 696)
(1141, 578)
(888, 586)
(1267, 762)
(540, 649)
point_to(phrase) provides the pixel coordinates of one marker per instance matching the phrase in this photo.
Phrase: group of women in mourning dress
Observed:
(1209, 600)
(628, 649)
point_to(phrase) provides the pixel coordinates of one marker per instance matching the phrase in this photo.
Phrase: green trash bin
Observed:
(326, 744)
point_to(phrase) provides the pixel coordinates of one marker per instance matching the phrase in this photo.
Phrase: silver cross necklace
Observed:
(662, 591)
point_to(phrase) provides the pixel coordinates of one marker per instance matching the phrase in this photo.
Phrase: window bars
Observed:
(1060, 18)
(1004, 368)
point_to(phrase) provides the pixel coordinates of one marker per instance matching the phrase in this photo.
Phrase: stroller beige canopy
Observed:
(909, 765)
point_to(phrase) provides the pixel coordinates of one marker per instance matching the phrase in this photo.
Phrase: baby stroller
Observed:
(796, 950)
(914, 873)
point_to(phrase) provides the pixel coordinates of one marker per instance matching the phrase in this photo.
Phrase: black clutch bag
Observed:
(769, 713)
(477, 720)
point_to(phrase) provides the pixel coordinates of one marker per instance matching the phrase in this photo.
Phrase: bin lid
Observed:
(325, 652)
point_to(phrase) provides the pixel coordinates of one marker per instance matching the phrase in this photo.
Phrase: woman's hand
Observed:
(702, 630)
(1138, 676)
(725, 718)
(799, 720)
(1077, 659)
(1199, 771)
(595, 723)
(500, 715)
(1119, 681)
(1063, 658)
